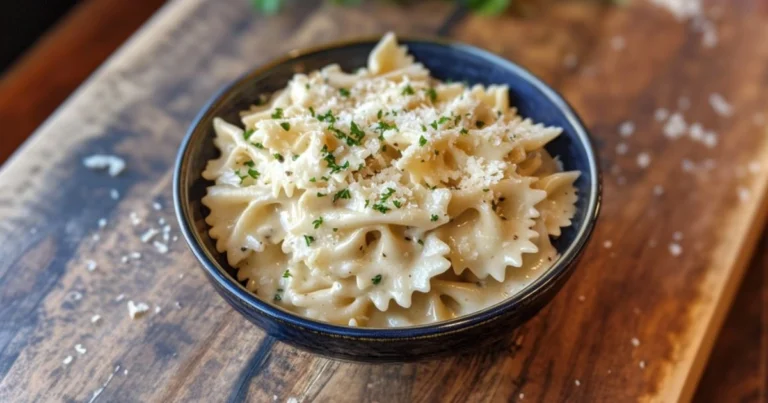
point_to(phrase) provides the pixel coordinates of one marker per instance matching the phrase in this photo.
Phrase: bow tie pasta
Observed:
(385, 198)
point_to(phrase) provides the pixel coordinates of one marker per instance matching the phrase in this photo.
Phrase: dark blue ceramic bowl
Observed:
(446, 61)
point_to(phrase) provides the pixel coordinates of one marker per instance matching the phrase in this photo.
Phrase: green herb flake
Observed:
(306, 85)
(480, 124)
(286, 126)
(312, 111)
(321, 194)
(308, 239)
(434, 124)
(248, 133)
(420, 242)
(278, 157)
(335, 230)
(379, 114)
(397, 203)
(408, 90)
(486, 190)
(422, 141)
(344, 92)
(376, 280)
(432, 94)
(253, 174)
(287, 274)
(434, 217)
(278, 113)
(259, 146)
(317, 223)
(341, 194)
(443, 119)
(423, 128)
(249, 164)
(278, 297)
(294, 158)
(464, 131)
(313, 179)
(355, 130)
(327, 117)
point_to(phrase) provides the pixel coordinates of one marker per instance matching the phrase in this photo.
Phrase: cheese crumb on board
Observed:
(136, 310)
(113, 164)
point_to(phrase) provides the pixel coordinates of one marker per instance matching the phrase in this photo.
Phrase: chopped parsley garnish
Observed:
(248, 133)
(321, 194)
(259, 146)
(308, 239)
(355, 130)
(480, 124)
(313, 179)
(344, 92)
(422, 141)
(286, 126)
(312, 111)
(331, 161)
(423, 128)
(485, 189)
(287, 274)
(341, 194)
(241, 176)
(324, 178)
(457, 120)
(278, 113)
(382, 127)
(380, 207)
(432, 94)
(253, 173)
(464, 131)
(434, 124)
(317, 223)
(397, 203)
(249, 164)
(294, 158)
(278, 157)
(434, 217)
(367, 202)
(306, 85)
(408, 90)
(420, 242)
(376, 280)
(361, 166)
(278, 297)
(335, 229)
(327, 117)
(443, 119)
(379, 114)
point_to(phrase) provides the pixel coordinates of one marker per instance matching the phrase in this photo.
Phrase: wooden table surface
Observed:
(613, 64)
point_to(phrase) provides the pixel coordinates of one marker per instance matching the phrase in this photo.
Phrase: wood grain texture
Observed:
(196, 348)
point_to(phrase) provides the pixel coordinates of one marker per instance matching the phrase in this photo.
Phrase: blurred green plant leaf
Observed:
(488, 7)
(269, 7)
(484, 7)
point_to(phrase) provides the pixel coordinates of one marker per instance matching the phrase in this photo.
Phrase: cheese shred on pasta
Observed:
(385, 198)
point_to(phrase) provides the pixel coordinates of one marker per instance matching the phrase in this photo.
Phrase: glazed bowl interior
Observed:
(446, 61)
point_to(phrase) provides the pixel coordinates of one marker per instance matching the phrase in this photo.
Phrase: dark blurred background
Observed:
(22, 22)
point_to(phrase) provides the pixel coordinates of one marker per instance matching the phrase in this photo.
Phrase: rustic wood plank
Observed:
(736, 369)
(139, 104)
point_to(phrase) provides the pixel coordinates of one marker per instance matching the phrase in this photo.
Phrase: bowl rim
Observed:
(538, 287)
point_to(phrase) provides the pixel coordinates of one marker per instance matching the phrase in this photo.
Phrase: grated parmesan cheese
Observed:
(113, 164)
(720, 105)
(136, 310)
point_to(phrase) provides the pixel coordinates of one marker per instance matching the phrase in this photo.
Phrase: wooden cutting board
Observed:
(635, 322)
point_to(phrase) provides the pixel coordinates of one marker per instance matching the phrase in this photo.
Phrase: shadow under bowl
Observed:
(446, 61)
